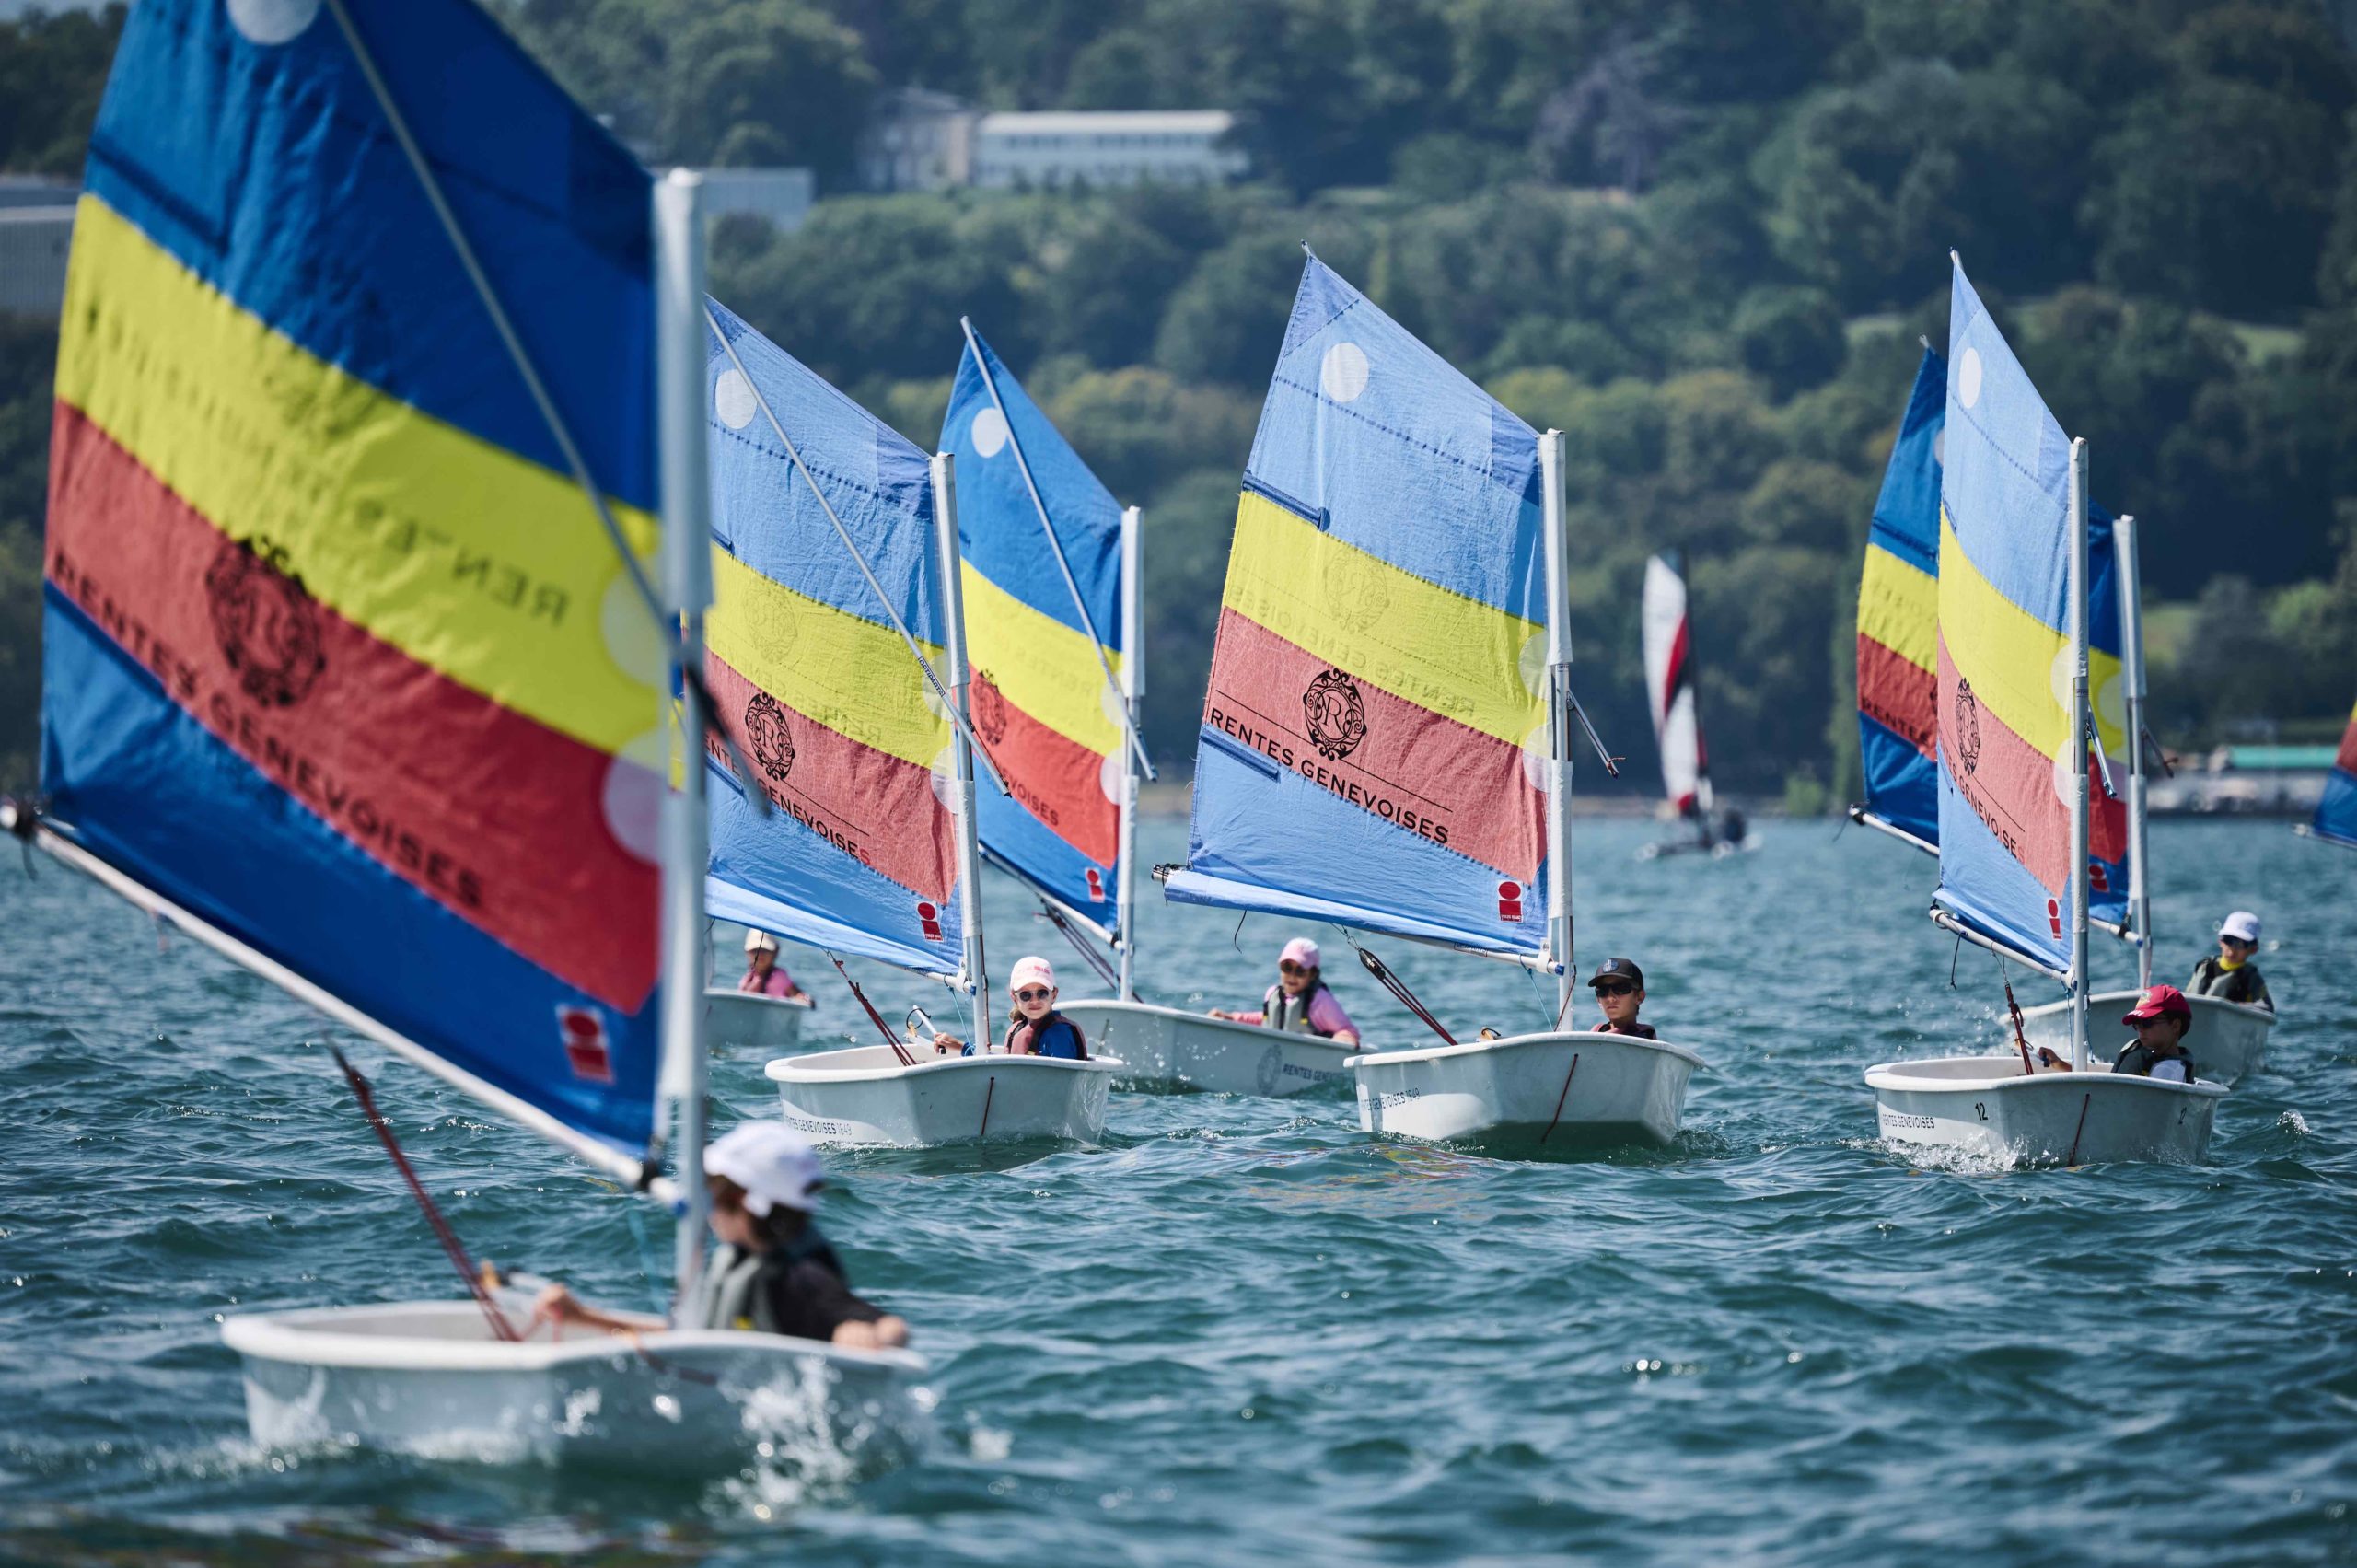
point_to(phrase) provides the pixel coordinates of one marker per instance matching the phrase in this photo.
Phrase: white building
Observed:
(36, 235)
(1169, 147)
(917, 140)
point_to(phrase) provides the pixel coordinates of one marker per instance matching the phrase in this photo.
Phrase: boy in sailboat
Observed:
(2231, 976)
(2160, 1018)
(764, 976)
(773, 1273)
(1034, 1027)
(1619, 987)
(1300, 1000)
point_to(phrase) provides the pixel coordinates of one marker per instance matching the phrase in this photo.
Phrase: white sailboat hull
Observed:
(427, 1378)
(865, 1097)
(2229, 1039)
(1169, 1051)
(1547, 1090)
(739, 1018)
(1988, 1108)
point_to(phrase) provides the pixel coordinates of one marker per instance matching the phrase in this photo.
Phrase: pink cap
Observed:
(1030, 971)
(1300, 950)
(2161, 1002)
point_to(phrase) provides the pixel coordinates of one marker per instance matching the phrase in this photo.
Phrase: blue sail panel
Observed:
(2336, 816)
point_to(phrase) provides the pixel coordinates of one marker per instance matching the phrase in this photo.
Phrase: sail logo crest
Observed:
(771, 738)
(266, 622)
(1968, 726)
(1335, 713)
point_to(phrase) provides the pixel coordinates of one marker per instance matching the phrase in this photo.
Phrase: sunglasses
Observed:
(2237, 941)
(1617, 988)
(1033, 993)
(1286, 966)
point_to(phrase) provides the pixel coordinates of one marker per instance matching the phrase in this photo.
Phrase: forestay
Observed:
(1670, 689)
(340, 662)
(2006, 753)
(1374, 739)
(838, 714)
(2336, 816)
(1042, 705)
(1898, 633)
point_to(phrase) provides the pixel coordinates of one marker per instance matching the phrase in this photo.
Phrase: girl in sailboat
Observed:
(1300, 1000)
(1034, 1027)
(773, 1273)
(764, 976)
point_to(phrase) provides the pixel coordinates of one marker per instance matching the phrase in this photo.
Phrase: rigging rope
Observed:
(878, 1018)
(1392, 984)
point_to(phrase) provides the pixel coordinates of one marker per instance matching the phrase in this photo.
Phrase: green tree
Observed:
(1227, 320)
(1791, 338)
(53, 72)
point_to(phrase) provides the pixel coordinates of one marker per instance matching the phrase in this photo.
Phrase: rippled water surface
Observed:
(1241, 1331)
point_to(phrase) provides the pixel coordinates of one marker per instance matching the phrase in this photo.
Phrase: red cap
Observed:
(2161, 1002)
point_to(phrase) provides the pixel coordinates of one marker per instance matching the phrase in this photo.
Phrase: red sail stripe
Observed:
(1057, 778)
(1902, 697)
(1430, 775)
(2010, 787)
(875, 807)
(2347, 760)
(497, 818)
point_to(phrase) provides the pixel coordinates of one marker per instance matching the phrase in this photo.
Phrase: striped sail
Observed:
(2336, 816)
(1374, 733)
(1041, 706)
(1669, 688)
(338, 658)
(2005, 750)
(1898, 637)
(830, 706)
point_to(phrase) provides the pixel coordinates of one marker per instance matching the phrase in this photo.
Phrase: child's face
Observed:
(2234, 950)
(1292, 977)
(1033, 1001)
(763, 961)
(1619, 1000)
(732, 1225)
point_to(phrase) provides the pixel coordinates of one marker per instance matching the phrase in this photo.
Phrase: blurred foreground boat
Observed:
(355, 467)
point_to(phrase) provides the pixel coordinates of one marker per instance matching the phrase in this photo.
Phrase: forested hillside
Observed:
(1702, 238)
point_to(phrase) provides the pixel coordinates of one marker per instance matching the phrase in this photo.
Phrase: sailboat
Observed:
(1898, 727)
(368, 387)
(838, 660)
(1386, 742)
(1678, 724)
(2335, 819)
(2015, 731)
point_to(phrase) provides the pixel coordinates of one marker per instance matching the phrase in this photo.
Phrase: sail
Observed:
(2336, 812)
(1043, 707)
(1373, 739)
(1897, 638)
(2005, 750)
(340, 660)
(811, 673)
(1669, 688)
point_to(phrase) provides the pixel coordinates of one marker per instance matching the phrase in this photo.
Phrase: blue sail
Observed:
(2336, 816)
(325, 666)
(2006, 755)
(835, 714)
(1041, 705)
(1371, 738)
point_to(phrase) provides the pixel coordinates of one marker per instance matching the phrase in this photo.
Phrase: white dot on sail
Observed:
(272, 21)
(1535, 759)
(1967, 378)
(1110, 776)
(2063, 777)
(2058, 678)
(633, 639)
(945, 778)
(1109, 704)
(1342, 373)
(989, 432)
(1531, 664)
(732, 399)
(635, 786)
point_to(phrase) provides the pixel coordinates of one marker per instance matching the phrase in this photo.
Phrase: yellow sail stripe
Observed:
(468, 558)
(852, 675)
(1040, 665)
(1437, 648)
(2015, 662)
(1899, 606)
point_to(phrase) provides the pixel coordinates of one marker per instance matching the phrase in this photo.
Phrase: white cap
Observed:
(771, 1161)
(760, 942)
(2242, 926)
(1030, 969)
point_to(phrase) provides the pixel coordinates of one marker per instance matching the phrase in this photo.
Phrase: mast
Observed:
(952, 615)
(1559, 721)
(686, 593)
(2131, 658)
(2077, 752)
(1125, 874)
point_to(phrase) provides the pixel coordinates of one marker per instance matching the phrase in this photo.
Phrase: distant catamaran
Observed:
(1668, 638)
(378, 356)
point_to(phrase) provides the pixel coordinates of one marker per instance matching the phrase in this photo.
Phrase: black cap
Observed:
(1619, 969)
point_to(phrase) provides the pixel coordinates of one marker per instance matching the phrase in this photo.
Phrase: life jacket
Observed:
(733, 1293)
(1040, 1037)
(1280, 1010)
(2138, 1060)
(1634, 1032)
(2240, 984)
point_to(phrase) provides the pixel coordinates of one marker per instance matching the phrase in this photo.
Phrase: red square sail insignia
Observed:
(1510, 902)
(929, 919)
(2054, 916)
(583, 1031)
(1096, 886)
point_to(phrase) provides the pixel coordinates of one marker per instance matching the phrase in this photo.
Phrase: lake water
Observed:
(1241, 1331)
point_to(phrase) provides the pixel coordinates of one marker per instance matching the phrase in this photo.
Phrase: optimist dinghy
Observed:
(1385, 743)
(743, 1019)
(2018, 738)
(838, 652)
(375, 450)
